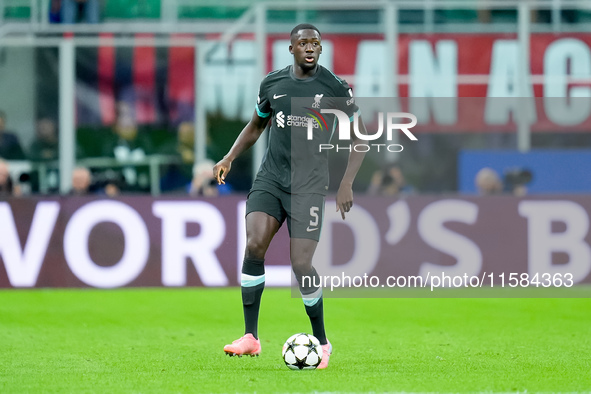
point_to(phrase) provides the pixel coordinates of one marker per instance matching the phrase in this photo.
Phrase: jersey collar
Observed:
(309, 79)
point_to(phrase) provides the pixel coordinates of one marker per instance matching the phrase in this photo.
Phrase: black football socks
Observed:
(312, 297)
(252, 283)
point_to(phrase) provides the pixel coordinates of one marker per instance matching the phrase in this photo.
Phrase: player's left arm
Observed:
(345, 193)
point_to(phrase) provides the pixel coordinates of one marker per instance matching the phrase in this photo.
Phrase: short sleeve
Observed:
(263, 105)
(347, 103)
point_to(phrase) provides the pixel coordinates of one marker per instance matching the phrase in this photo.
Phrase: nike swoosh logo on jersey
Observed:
(276, 96)
(308, 229)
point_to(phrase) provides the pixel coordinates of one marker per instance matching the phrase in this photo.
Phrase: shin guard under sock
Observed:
(252, 284)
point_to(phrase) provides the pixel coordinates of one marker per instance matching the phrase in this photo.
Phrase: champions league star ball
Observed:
(302, 351)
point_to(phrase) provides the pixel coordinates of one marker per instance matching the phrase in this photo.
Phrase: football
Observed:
(302, 351)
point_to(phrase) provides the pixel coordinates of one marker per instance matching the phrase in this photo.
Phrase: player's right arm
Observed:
(248, 136)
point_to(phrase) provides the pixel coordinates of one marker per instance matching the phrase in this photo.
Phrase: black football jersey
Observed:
(293, 161)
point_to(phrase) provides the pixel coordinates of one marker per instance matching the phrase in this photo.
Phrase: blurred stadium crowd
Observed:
(119, 148)
(96, 11)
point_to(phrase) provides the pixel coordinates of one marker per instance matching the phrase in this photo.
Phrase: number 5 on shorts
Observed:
(314, 214)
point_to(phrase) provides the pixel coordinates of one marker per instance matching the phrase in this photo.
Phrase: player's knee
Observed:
(301, 267)
(256, 248)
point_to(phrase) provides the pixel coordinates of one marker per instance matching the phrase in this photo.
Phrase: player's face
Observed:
(306, 48)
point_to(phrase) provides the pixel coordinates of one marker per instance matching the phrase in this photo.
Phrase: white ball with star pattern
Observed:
(302, 351)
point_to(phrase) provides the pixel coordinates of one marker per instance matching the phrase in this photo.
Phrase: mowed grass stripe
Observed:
(170, 340)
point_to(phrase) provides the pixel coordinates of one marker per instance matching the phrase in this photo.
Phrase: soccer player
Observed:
(292, 181)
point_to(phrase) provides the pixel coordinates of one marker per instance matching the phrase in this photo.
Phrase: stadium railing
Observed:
(239, 16)
(154, 163)
(431, 15)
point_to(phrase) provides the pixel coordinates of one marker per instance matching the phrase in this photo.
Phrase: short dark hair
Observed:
(304, 26)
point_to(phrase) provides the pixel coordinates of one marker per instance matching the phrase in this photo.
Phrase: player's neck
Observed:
(301, 73)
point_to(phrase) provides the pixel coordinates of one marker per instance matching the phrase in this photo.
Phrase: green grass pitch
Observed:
(170, 341)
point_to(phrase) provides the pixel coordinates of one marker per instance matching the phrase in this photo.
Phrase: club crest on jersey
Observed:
(280, 119)
(317, 99)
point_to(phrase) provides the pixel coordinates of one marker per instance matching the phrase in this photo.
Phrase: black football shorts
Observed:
(304, 212)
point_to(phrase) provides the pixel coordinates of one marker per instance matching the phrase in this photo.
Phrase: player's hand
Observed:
(344, 199)
(221, 169)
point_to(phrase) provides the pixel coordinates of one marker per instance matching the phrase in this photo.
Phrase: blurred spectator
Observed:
(204, 184)
(112, 189)
(87, 11)
(389, 181)
(45, 145)
(108, 182)
(81, 180)
(484, 13)
(7, 187)
(488, 182)
(10, 147)
(186, 142)
(55, 11)
(488, 14)
(183, 145)
(566, 15)
(179, 174)
(516, 181)
(128, 144)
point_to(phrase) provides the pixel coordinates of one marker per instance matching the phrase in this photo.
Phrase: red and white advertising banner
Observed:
(429, 65)
(142, 241)
(445, 67)
(455, 65)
